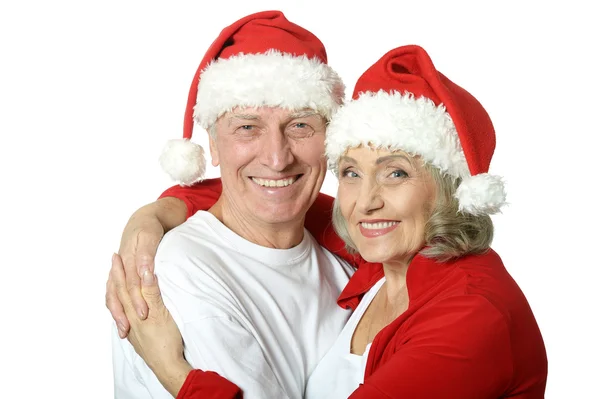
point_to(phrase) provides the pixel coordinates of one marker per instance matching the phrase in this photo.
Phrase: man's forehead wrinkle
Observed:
(234, 116)
(303, 113)
(291, 114)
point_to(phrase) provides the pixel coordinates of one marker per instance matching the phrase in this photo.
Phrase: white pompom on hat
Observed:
(260, 60)
(403, 103)
(183, 160)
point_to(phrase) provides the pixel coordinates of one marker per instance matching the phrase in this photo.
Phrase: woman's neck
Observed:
(395, 282)
(388, 304)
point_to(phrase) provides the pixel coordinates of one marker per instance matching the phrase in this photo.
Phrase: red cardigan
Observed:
(468, 332)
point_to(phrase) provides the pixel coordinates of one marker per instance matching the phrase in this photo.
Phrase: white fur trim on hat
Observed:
(184, 161)
(398, 121)
(481, 194)
(269, 79)
(417, 126)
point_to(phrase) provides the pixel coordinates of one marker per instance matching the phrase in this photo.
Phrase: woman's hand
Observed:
(139, 243)
(156, 339)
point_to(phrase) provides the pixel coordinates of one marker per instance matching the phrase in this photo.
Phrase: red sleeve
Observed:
(208, 385)
(460, 348)
(199, 197)
(203, 195)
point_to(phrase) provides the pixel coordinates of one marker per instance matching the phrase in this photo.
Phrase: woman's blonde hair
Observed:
(449, 233)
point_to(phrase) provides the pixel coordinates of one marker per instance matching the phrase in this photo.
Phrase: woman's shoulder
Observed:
(480, 275)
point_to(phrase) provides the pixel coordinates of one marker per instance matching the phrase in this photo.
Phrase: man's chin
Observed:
(280, 213)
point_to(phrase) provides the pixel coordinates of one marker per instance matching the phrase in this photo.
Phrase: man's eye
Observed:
(300, 130)
(247, 130)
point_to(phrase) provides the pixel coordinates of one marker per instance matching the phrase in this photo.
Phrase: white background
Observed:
(91, 90)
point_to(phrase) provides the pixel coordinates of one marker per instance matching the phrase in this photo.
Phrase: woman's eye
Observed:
(301, 125)
(246, 127)
(398, 173)
(349, 173)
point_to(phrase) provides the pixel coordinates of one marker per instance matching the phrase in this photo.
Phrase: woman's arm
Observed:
(198, 197)
(139, 242)
(214, 340)
(147, 225)
(201, 384)
(143, 233)
(158, 342)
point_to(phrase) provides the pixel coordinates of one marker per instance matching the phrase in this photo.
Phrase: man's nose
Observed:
(276, 152)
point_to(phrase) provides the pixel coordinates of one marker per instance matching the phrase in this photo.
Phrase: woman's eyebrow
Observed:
(391, 157)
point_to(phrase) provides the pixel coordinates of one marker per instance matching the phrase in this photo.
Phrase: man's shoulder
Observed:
(193, 256)
(198, 225)
(322, 251)
(331, 260)
(337, 259)
(195, 278)
(193, 237)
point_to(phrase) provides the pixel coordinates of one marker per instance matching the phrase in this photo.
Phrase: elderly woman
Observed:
(441, 318)
(436, 313)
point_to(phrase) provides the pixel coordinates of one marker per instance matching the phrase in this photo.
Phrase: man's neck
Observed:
(279, 236)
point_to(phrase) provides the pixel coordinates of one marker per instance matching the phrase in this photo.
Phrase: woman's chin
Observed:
(374, 256)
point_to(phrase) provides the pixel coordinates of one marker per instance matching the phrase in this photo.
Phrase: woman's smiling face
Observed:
(386, 199)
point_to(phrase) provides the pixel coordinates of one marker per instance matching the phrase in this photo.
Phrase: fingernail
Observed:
(147, 277)
(113, 257)
(142, 314)
(121, 326)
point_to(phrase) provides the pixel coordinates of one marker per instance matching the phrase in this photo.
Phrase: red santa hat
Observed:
(261, 60)
(402, 102)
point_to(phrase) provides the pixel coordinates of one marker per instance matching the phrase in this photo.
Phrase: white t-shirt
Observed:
(261, 317)
(340, 372)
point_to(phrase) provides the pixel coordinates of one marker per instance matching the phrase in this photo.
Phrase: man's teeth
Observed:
(274, 183)
(378, 225)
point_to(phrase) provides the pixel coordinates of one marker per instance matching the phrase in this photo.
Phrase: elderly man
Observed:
(253, 293)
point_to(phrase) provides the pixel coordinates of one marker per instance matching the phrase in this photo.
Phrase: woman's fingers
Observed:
(118, 281)
(151, 291)
(116, 308)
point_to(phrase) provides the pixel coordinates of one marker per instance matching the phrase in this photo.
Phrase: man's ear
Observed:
(214, 154)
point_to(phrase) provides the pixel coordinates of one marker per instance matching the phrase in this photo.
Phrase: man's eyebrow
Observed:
(391, 157)
(303, 114)
(248, 117)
